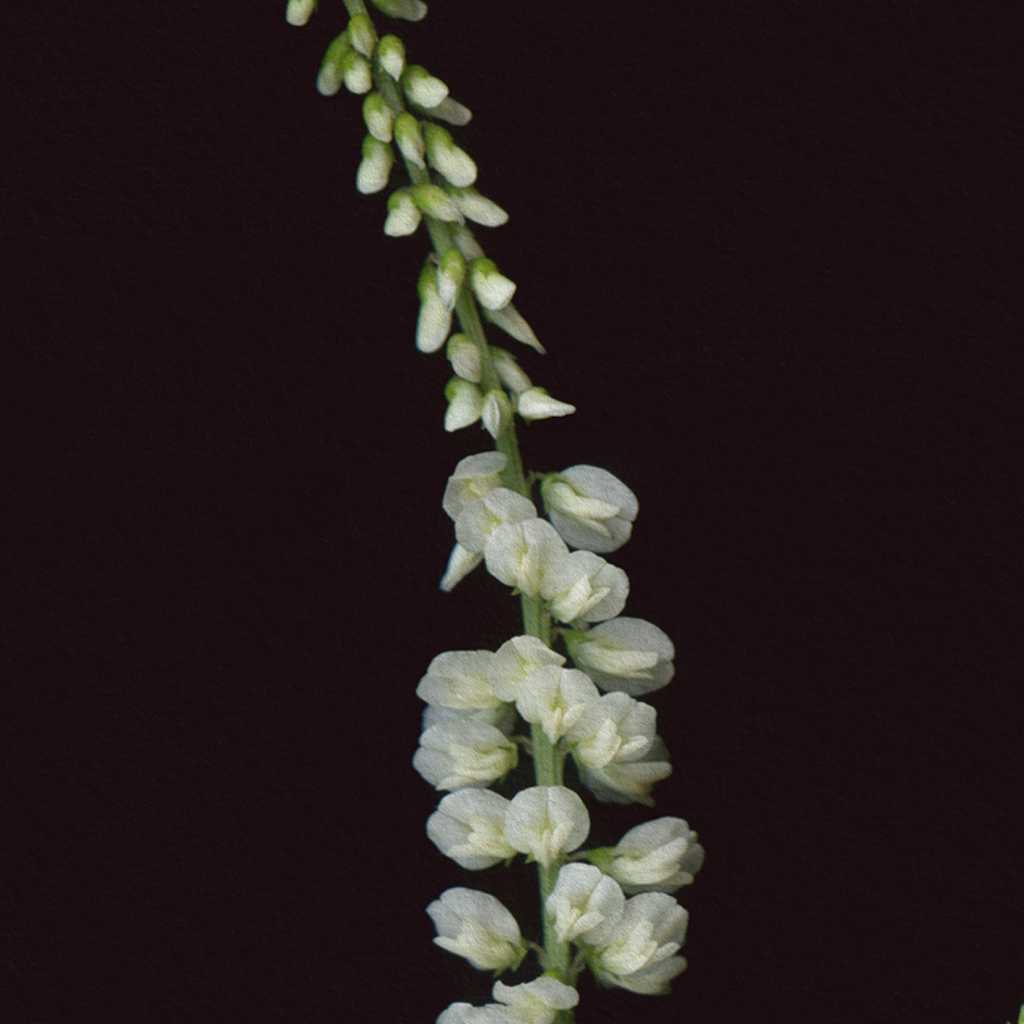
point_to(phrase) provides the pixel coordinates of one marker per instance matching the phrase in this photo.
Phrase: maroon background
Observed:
(766, 248)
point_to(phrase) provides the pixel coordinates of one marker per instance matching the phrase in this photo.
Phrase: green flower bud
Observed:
(493, 290)
(410, 139)
(328, 82)
(465, 358)
(454, 163)
(403, 215)
(496, 413)
(379, 117)
(375, 166)
(355, 72)
(360, 31)
(432, 200)
(423, 88)
(451, 272)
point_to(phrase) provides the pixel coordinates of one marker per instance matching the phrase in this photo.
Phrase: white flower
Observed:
(479, 927)
(391, 54)
(480, 519)
(584, 586)
(407, 134)
(652, 980)
(496, 413)
(493, 290)
(423, 88)
(466, 1013)
(464, 402)
(355, 73)
(451, 272)
(511, 322)
(403, 215)
(590, 508)
(453, 163)
(460, 564)
(468, 826)
(465, 358)
(328, 81)
(537, 1001)
(509, 371)
(464, 752)
(474, 476)
(626, 654)
(537, 404)
(626, 782)
(458, 679)
(652, 928)
(658, 856)
(378, 116)
(585, 904)
(478, 208)
(522, 554)
(503, 718)
(554, 698)
(515, 660)
(616, 727)
(298, 12)
(373, 170)
(546, 821)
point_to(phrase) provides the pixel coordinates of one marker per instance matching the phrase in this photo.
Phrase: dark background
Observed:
(767, 250)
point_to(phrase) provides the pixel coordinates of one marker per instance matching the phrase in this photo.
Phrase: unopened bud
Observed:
(496, 413)
(464, 404)
(391, 54)
(451, 272)
(299, 11)
(409, 10)
(477, 207)
(355, 72)
(374, 168)
(493, 290)
(422, 87)
(328, 81)
(455, 164)
(465, 358)
(403, 215)
(410, 139)
(509, 372)
(537, 404)
(511, 322)
(432, 200)
(360, 31)
(378, 116)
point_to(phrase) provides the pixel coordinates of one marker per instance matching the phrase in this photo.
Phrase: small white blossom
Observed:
(479, 520)
(521, 555)
(465, 358)
(585, 904)
(423, 88)
(464, 404)
(391, 54)
(503, 718)
(493, 290)
(451, 272)
(537, 1001)
(403, 215)
(629, 781)
(537, 404)
(299, 12)
(614, 728)
(479, 927)
(474, 476)
(409, 138)
(453, 163)
(658, 856)
(515, 660)
(585, 587)
(652, 928)
(468, 826)
(374, 168)
(460, 564)
(496, 412)
(555, 698)
(458, 679)
(590, 508)
(511, 322)
(626, 654)
(478, 208)
(464, 752)
(546, 821)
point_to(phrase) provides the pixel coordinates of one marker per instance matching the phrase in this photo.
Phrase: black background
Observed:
(767, 250)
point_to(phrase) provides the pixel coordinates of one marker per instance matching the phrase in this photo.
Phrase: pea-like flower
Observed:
(479, 927)
(515, 660)
(474, 476)
(585, 904)
(375, 167)
(584, 587)
(535, 1002)
(458, 679)
(468, 826)
(464, 752)
(628, 782)
(590, 508)
(555, 698)
(657, 856)
(422, 88)
(522, 555)
(625, 654)
(449, 160)
(478, 521)
(546, 821)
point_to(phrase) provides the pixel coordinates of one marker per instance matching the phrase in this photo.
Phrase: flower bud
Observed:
(590, 508)
(585, 587)
(625, 654)
(534, 1002)
(537, 404)
(403, 215)
(328, 81)
(391, 55)
(460, 564)
(546, 821)
(509, 372)
(299, 12)
(465, 358)
(555, 698)
(410, 10)
(458, 679)
(493, 290)
(451, 272)
(515, 660)
(464, 404)
(355, 72)
(464, 752)
(468, 826)
(478, 208)
(455, 164)
(658, 856)
(409, 138)
(479, 927)
(478, 521)
(474, 477)
(375, 167)
(432, 200)
(521, 555)
(585, 905)
(452, 111)
(511, 322)
(422, 88)
(496, 412)
(434, 320)
(378, 116)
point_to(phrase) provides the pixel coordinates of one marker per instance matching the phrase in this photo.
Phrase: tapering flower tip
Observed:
(585, 905)
(465, 403)
(651, 930)
(590, 508)
(410, 139)
(458, 679)
(375, 167)
(658, 856)
(409, 10)
(453, 163)
(493, 290)
(478, 208)
(452, 111)
(465, 358)
(328, 81)
(535, 1002)
(625, 654)
(355, 73)
(479, 927)
(509, 372)
(378, 117)
(515, 660)
(496, 412)
(474, 476)
(546, 821)
(434, 320)
(555, 698)
(522, 555)
(464, 752)
(467, 244)
(422, 88)
(451, 272)
(511, 322)
(584, 587)
(362, 35)
(468, 826)
(537, 404)
(433, 202)
(391, 55)
(299, 12)
(615, 728)
(460, 564)
(403, 215)
(478, 521)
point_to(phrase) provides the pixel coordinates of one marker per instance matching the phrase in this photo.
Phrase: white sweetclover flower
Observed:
(546, 821)
(509, 372)
(585, 905)
(493, 290)
(496, 413)
(360, 31)
(453, 163)
(299, 12)
(460, 564)
(391, 55)
(537, 404)
(451, 272)
(537, 1001)
(355, 73)
(378, 117)
(515, 660)
(555, 698)
(511, 321)
(433, 200)
(590, 508)
(479, 927)
(403, 215)
(409, 138)
(615, 727)
(465, 358)
(328, 81)
(464, 752)
(478, 208)
(468, 826)
(410, 10)
(658, 856)
(466, 1013)
(503, 718)
(583, 586)
(421, 87)
(480, 519)
(521, 555)
(373, 170)
(626, 654)
(465, 402)
(452, 111)
(458, 679)
(434, 321)
(628, 782)
(652, 980)
(474, 476)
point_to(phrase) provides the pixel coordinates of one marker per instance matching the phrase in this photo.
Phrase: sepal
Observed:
(375, 167)
(299, 12)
